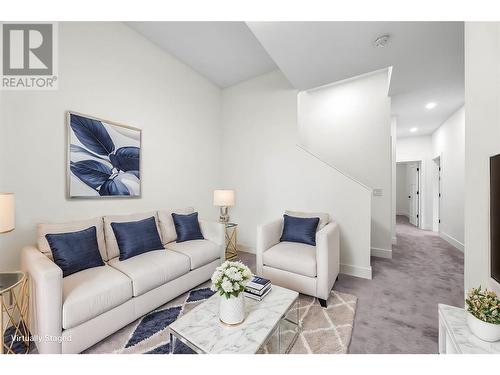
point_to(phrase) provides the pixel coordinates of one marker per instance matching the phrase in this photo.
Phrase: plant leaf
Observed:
(77, 149)
(92, 134)
(113, 187)
(126, 158)
(91, 172)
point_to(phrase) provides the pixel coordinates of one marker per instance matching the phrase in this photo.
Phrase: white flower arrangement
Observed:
(230, 278)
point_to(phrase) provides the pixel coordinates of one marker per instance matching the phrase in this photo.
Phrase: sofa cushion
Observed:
(167, 227)
(187, 227)
(200, 252)
(111, 244)
(152, 269)
(324, 218)
(92, 292)
(292, 257)
(137, 237)
(299, 229)
(75, 251)
(72, 226)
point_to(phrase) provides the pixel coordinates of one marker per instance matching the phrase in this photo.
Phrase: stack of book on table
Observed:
(257, 288)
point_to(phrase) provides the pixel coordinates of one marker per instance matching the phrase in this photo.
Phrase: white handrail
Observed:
(334, 167)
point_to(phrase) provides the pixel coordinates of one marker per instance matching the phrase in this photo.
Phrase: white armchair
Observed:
(307, 269)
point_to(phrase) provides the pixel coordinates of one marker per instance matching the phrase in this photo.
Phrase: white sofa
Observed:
(73, 313)
(307, 269)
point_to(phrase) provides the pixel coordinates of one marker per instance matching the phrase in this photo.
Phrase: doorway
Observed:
(408, 185)
(436, 194)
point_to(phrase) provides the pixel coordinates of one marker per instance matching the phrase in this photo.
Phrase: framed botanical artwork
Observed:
(104, 158)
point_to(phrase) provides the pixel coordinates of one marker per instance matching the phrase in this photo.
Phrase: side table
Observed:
(231, 240)
(14, 310)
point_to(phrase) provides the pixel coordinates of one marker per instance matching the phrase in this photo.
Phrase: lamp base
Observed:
(224, 216)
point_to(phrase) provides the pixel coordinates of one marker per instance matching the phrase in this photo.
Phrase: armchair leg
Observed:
(322, 302)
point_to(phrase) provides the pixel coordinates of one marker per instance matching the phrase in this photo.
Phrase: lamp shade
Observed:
(7, 216)
(224, 198)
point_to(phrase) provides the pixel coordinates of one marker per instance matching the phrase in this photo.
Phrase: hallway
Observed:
(397, 310)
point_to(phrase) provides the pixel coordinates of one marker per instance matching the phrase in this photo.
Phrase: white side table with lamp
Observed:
(225, 199)
(14, 293)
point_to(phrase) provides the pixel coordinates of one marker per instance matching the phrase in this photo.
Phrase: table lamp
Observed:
(7, 216)
(224, 199)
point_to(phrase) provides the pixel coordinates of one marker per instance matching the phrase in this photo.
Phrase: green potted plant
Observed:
(483, 314)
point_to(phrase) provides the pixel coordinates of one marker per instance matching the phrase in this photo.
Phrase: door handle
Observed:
(409, 196)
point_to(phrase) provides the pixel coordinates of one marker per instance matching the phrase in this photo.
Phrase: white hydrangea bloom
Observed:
(227, 286)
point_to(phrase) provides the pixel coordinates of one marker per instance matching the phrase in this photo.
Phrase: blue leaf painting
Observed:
(136, 174)
(92, 134)
(77, 149)
(113, 187)
(126, 158)
(91, 172)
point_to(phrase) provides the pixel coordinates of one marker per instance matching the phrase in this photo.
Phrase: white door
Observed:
(413, 192)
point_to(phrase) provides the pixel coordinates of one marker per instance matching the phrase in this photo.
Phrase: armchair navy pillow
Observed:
(137, 237)
(298, 229)
(75, 251)
(187, 227)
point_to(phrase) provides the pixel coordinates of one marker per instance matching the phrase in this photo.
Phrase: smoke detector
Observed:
(381, 41)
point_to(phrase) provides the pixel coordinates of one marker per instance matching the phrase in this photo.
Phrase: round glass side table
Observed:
(14, 309)
(231, 240)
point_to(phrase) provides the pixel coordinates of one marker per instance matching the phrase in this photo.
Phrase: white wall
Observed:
(110, 71)
(402, 201)
(271, 174)
(415, 149)
(482, 140)
(348, 124)
(448, 142)
(394, 144)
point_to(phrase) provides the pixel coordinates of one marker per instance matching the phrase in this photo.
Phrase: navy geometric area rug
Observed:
(149, 334)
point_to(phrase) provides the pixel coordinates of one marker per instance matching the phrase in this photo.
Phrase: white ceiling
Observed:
(224, 52)
(427, 58)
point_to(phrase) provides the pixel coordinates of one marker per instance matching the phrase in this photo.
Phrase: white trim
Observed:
(303, 148)
(357, 271)
(394, 240)
(452, 241)
(381, 253)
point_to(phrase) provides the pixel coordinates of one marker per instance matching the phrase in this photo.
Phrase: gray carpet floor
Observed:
(397, 309)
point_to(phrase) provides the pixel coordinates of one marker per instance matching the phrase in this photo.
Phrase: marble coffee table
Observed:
(271, 326)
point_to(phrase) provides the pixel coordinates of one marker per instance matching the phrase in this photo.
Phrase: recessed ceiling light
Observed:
(381, 41)
(430, 105)
(413, 130)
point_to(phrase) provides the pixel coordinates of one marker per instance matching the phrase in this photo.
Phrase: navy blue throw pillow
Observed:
(75, 251)
(137, 237)
(299, 229)
(187, 227)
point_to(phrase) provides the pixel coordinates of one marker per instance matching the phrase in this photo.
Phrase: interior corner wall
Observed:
(448, 142)
(348, 125)
(393, 178)
(109, 71)
(415, 149)
(270, 173)
(482, 140)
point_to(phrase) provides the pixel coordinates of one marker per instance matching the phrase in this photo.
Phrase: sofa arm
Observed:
(268, 235)
(215, 232)
(45, 300)
(327, 259)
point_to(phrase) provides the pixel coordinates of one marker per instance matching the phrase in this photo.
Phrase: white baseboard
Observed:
(381, 253)
(452, 241)
(363, 272)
